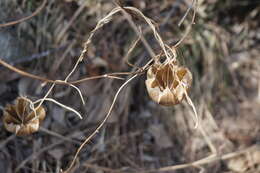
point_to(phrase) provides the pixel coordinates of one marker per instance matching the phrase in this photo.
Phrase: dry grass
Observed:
(139, 135)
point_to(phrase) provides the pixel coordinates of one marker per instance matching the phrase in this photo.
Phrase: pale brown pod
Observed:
(20, 119)
(167, 83)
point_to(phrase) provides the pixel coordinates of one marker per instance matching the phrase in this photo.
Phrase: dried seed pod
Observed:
(21, 119)
(167, 83)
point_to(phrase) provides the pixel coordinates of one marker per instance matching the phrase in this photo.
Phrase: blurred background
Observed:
(222, 52)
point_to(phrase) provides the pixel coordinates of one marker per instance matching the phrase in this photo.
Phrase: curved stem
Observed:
(25, 18)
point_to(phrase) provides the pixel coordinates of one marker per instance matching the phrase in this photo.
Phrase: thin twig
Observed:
(151, 25)
(60, 82)
(25, 73)
(61, 105)
(195, 117)
(80, 94)
(25, 18)
(132, 47)
(109, 75)
(46, 95)
(99, 25)
(186, 13)
(133, 25)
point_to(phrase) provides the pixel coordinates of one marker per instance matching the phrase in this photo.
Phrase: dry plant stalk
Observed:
(21, 119)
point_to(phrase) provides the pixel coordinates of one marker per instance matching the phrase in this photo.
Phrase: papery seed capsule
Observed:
(20, 119)
(167, 83)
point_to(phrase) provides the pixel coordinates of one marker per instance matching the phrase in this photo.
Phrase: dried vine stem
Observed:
(37, 11)
(151, 25)
(186, 13)
(60, 104)
(168, 52)
(106, 19)
(100, 24)
(132, 47)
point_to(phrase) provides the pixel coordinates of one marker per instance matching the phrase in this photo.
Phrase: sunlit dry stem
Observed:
(99, 77)
(46, 95)
(78, 90)
(195, 118)
(186, 13)
(155, 32)
(80, 94)
(56, 102)
(73, 69)
(61, 105)
(133, 25)
(126, 57)
(103, 21)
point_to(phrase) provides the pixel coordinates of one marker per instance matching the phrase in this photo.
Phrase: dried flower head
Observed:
(167, 83)
(21, 119)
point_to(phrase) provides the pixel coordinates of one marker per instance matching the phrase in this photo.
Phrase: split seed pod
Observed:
(168, 83)
(21, 119)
